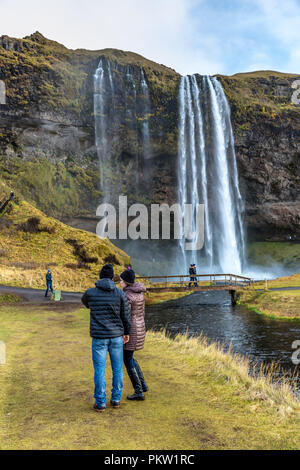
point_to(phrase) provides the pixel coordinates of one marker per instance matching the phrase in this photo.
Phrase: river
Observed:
(260, 338)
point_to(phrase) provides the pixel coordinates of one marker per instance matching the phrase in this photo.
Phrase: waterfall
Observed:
(122, 109)
(208, 173)
(146, 112)
(131, 114)
(103, 99)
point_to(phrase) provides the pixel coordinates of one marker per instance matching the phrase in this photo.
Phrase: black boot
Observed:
(138, 390)
(141, 377)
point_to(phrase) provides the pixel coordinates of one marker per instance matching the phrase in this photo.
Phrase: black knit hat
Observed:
(128, 276)
(107, 271)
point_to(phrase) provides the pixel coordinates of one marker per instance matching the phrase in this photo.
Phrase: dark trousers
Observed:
(129, 360)
(49, 286)
(134, 371)
(194, 280)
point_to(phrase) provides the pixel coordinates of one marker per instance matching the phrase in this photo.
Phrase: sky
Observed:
(191, 36)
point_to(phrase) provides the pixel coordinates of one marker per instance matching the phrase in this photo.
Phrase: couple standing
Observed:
(117, 326)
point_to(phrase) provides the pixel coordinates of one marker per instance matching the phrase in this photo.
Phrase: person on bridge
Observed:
(110, 330)
(193, 278)
(49, 282)
(135, 295)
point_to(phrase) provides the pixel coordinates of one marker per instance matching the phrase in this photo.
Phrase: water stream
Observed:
(210, 313)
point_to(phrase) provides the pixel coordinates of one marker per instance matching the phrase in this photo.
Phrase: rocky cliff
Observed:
(267, 139)
(47, 137)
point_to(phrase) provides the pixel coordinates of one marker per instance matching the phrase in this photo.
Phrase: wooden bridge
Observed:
(204, 283)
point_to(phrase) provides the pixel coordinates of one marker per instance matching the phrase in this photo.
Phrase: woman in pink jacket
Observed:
(135, 295)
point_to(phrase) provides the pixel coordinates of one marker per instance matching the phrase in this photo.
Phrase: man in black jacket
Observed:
(110, 329)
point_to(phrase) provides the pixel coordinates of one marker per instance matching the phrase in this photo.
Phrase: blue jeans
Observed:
(99, 350)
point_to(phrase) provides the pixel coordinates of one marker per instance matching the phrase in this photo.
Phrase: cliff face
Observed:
(267, 139)
(47, 143)
(47, 137)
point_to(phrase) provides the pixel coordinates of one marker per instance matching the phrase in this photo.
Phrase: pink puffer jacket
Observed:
(135, 296)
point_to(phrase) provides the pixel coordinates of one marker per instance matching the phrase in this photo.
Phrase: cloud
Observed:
(204, 36)
(282, 23)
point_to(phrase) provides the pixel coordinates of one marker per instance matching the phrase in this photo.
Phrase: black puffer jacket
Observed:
(110, 316)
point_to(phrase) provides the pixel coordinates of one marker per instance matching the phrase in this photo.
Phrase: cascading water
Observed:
(131, 114)
(122, 109)
(146, 112)
(208, 173)
(103, 102)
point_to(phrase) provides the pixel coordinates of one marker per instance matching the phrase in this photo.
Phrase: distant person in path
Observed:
(4, 204)
(110, 329)
(192, 271)
(135, 295)
(49, 282)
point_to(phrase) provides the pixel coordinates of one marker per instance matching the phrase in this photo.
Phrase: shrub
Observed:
(32, 225)
(80, 252)
(112, 259)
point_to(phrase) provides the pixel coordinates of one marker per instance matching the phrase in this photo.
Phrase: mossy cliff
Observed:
(47, 137)
(48, 114)
(266, 126)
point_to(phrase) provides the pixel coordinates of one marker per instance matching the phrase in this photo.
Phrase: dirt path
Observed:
(36, 297)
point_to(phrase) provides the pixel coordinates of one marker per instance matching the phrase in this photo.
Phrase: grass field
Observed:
(199, 398)
(283, 304)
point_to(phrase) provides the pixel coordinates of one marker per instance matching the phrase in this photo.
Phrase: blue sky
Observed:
(203, 36)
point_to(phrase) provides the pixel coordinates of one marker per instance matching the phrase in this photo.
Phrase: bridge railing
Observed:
(202, 280)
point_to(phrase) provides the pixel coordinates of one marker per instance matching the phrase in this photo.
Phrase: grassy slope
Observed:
(199, 398)
(279, 304)
(24, 257)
